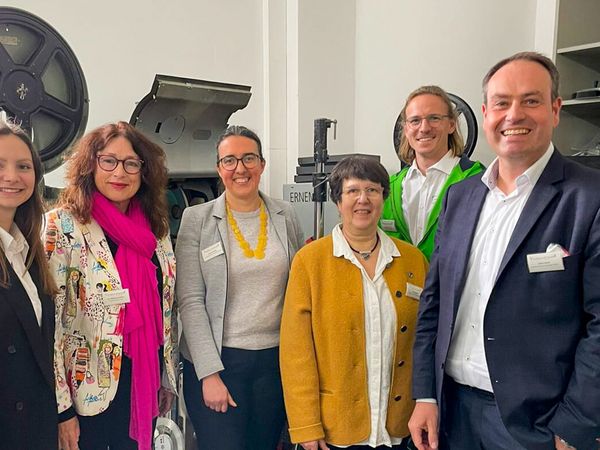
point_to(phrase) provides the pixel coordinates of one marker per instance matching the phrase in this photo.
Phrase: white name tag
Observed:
(210, 252)
(413, 291)
(388, 225)
(116, 297)
(545, 262)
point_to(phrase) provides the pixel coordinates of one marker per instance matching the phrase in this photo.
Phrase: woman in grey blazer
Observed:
(233, 258)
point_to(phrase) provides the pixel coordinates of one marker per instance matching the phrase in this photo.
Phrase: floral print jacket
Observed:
(87, 350)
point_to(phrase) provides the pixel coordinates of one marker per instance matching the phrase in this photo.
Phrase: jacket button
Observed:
(397, 397)
(400, 363)
(403, 328)
(398, 294)
(19, 406)
(11, 349)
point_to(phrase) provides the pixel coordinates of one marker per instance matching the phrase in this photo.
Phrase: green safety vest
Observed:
(392, 208)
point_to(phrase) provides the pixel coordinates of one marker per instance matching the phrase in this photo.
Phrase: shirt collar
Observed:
(13, 242)
(531, 175)
(342, 249)
(445, 165)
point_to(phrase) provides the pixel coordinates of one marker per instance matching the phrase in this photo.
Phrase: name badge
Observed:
(210, 252)
(545, 262)
(388, 225)
(413, 291)
(115, 297)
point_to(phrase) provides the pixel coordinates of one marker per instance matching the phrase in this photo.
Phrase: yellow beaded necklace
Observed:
(259, 251)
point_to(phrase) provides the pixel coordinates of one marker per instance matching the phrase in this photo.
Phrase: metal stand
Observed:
(319, 175)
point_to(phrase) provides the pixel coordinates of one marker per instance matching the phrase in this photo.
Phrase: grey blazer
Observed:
(201, 286)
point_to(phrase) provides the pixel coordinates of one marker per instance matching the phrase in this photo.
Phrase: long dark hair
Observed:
(81, 166)
(29, 217)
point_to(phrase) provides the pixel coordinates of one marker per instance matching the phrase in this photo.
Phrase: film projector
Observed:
(43, 87)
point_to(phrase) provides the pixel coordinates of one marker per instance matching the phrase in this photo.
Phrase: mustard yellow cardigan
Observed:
(323, 359)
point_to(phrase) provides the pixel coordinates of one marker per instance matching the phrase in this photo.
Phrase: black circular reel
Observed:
(41, 84)
(464, 113)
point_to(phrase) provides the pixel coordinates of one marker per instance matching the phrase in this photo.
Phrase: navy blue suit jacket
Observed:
(541, 330)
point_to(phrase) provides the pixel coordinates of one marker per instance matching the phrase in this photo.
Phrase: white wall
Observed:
(122, 44)
(354, 61)
(401, 45)
(546, 19)
(326, 34)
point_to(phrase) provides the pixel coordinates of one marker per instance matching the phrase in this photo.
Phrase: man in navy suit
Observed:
(507, 350)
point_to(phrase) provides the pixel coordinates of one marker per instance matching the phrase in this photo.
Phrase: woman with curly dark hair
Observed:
(27, 401)
(111, 256)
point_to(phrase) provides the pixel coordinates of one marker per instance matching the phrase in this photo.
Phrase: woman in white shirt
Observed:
(28, 416)
(348, 324)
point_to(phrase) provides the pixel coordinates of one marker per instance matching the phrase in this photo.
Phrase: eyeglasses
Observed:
(370, 192)
(110, 163)
(434, 120)
(230, 162)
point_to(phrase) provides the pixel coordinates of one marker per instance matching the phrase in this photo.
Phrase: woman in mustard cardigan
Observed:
(348, 323)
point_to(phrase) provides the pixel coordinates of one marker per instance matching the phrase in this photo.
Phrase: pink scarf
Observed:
(141, 320)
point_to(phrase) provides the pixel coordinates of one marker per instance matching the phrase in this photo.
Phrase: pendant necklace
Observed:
(365, 254)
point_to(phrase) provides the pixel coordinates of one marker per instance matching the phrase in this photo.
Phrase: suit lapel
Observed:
(96, 242)
(39, 338)
(541, 196)
(278, 221)
(220, 215)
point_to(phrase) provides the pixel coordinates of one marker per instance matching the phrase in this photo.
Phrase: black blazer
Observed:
(541, 330)
(28, 411)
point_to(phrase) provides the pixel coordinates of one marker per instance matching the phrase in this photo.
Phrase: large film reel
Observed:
(466, 119)
(41, 83)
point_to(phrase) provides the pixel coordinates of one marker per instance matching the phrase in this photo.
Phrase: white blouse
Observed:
(16, 248)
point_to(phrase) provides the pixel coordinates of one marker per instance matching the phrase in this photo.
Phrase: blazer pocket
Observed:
(572, 267)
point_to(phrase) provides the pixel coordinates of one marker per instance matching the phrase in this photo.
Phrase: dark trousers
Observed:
(401, 446)
(253, 380)
(471, 420)
(110, 429)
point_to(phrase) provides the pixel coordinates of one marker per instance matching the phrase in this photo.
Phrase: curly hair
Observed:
(456, 142)
(29, 217)
(81, 167)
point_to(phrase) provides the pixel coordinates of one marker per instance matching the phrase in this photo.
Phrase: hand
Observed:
(68, 434)
(165, 400)
(314, 445)
(560, 446)
(215, 394)
(423, 426)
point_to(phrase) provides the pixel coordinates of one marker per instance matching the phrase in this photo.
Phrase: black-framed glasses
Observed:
(434, 120)
(230, 162)
(110, 163)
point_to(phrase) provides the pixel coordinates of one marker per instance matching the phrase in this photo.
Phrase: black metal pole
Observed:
(319, 175)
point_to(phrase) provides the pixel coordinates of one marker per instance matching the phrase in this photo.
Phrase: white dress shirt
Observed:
(466, 362)
(15, 248)
(420, 192)
(380, 333)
